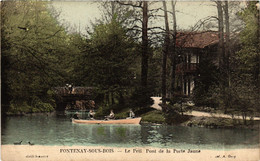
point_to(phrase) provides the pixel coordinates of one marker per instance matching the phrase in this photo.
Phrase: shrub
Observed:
(19, 107)
(153, 117)
(141, 97)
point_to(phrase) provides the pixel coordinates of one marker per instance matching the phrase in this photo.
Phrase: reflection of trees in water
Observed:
(239, 136)
(165, 134)
(170, 135)
(125, 134)
(218, 136)
(252, 138)
(162, 135)
(121, 131)
(4, 122)
(101, 131)
(173, 134)
(115, 134)
(147, 132)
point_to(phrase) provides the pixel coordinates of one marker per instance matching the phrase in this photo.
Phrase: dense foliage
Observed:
(245, 85)
(34, 47)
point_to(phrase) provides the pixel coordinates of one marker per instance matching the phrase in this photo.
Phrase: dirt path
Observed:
(157, 101)
(206, 114)
(156, 105)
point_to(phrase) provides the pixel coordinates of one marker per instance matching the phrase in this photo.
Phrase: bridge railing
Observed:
(65, 91)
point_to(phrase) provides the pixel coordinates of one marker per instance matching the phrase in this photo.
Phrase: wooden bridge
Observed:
(69, 91)
(74, 97)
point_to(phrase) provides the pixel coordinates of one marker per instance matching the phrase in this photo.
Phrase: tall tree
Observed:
(141, 32)
(221, 49)
(165, 53)
(173, 48)
(222, 52)
(143, 6)
(226, 61)
(227, 42)
(113, 10)
(109, 60)
(144, 66)
(257, 71)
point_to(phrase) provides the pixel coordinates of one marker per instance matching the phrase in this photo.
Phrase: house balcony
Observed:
(186, 68)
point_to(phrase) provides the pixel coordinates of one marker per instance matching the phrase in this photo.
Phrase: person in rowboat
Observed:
(131, 114)
(111, 115)
(76, 115)
(91, 114)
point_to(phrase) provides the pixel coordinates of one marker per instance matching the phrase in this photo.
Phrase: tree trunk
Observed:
(106, 100)
(121, 98)
(221, 49)
(258, 54)
(227, 48)
(144, 66)
(221, 52)
(227, 81)
(165, 53)
(113, 8)
(112, 98)
(173, 49)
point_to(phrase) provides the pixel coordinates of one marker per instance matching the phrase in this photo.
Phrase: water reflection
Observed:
(49, 130)
(107, 134)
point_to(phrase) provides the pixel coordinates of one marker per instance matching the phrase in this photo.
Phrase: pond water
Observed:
(59, 130)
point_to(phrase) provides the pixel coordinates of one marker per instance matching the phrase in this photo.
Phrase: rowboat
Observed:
(118, 121)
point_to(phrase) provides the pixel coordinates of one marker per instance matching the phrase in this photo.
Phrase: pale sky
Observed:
(81, 13)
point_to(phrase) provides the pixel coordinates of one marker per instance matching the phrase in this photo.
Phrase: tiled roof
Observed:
(196, 39)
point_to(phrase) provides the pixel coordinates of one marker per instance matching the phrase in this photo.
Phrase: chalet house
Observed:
(191, 49)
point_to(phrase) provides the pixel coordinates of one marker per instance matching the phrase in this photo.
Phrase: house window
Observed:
(192, 85)
(189, 86)
(189, 58)
(194, 58)
(197, 58)
(185, 86)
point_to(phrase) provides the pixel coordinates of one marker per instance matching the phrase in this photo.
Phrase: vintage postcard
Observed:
(130, 80)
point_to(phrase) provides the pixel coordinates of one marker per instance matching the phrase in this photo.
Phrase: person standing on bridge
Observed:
(92, 104)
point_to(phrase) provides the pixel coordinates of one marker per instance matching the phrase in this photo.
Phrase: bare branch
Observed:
(50, 36)
(152, 28)
(130, 3)
(202, 22)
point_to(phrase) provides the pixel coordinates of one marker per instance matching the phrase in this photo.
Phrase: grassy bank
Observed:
(154, 116)
(150, 115)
